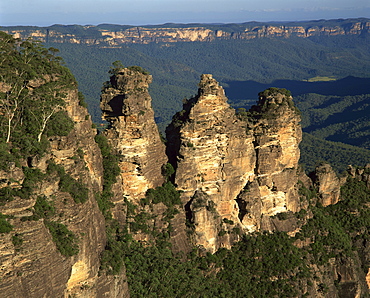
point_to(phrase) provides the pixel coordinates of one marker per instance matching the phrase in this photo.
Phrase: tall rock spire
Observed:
(215, 159)
(132, 131)
(277, 133)
(234, 172)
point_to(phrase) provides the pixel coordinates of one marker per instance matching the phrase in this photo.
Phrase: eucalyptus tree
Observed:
(33, 88)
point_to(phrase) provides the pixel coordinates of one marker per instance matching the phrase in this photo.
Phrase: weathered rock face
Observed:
(95, 35)
(233, 173)
(35, 268)
(133, 134)
(328, 184)
(277, 135)
(215, 159)
(360, 174)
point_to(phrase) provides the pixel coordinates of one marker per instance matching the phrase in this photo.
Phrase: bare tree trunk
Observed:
(9, 129)
(45, 120)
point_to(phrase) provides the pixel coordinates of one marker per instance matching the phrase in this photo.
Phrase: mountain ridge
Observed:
(70, 226)
(116, 35)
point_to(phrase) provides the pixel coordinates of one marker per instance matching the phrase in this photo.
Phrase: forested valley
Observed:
(329, 81)
(319, 71)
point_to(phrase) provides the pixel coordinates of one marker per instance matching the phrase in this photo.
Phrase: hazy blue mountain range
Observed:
(244, 67)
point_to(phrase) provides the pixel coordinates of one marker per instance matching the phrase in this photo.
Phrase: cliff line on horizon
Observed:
(116, 35)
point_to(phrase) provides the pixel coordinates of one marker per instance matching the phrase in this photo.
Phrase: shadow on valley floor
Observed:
(237, 90)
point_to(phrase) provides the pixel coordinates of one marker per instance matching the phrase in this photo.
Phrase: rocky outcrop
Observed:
(132, 132)
(234, 174)
(99, 35)
(134, 137)
(361, 174)
(277, 135)
(215, 160)
(327, 184)
(31, 264)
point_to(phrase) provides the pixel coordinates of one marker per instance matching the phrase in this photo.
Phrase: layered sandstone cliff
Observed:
(215, 159)
(31, 264)
(132, 132)
(235, 170)
(277, 134)
(99, 35)
(234, 174)
(134, 137)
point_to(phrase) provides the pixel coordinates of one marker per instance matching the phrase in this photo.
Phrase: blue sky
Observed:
(144, 12)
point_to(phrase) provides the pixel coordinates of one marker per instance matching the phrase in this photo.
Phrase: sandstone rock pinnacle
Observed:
(234, 173)
(327, 183)
(132, 132)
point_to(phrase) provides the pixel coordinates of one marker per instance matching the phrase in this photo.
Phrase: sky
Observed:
(150, 12)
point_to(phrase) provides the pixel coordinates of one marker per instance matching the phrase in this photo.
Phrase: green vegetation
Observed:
(166, 194)
(67, 183)
(117, 66)
(65, 240)
(6, 156)
(32, 95)
(17, 241)
(32, 177)
(337, 118)
(5, 226)
(111, 171)
(112, 256)
(167, 171)
(337, 230)
(43, 208)
(339, 155)
(60, 124)
(246, 270)
(321, 79)
(139, 69)
(273, 91)
(120, 245)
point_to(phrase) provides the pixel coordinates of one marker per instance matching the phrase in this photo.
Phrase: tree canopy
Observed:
(33, 86)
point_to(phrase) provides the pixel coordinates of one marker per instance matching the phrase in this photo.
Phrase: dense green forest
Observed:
(260, 265)
(315, 150)
(334, 110)
(337, 118)
(176, 67)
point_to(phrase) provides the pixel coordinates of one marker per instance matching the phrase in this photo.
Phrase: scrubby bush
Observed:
(166, 194)
(60, 124)
(64, 239)
(76, 189)
(5, 226)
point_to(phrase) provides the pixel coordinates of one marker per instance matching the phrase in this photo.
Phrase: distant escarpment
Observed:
(116, 35)
(235, 171)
